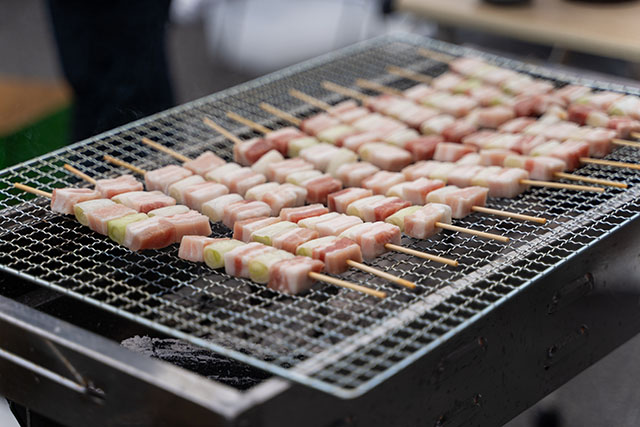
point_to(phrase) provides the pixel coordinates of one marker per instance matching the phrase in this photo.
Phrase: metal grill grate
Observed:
(335, 340)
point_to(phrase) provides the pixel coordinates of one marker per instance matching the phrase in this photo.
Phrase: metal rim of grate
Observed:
(335, 340)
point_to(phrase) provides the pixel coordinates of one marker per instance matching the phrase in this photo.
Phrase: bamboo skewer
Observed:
(368, 84)
(32, 190)
(309, 99)
(438, 56)
(165, 150)
(316, 276)
(507, 214)
(561, 185)
(80, 174)
(590, 180)
(635, 135)
(250, 123)
(369, 269)
(610, 163)
(624, 142)
(280, 114)
(409, 74)
(346, 91)
(460, 229)
(213, 125)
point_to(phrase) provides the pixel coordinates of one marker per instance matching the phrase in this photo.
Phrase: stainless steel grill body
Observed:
(336, 341)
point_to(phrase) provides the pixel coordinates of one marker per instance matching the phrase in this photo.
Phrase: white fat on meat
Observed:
(421, 224)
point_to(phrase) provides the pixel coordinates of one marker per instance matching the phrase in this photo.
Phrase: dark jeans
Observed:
(113, 56)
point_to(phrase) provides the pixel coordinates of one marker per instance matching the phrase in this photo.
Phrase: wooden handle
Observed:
(344, 284)
(280, 114)
(80, 174)
(32, 190)
(491, 236)
(424, 255)
(166, 150)
(380, 273)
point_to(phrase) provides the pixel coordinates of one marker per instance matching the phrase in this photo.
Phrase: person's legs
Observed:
(113, 55)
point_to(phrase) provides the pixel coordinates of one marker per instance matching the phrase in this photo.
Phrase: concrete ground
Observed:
(606, 394)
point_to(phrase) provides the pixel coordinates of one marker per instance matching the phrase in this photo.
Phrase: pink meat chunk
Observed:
(423, 148)
(114, 186)
(242, 230)
(278, 171)
(236, 261)
(192, 247)
(64, 199)
(191, 223)
(204, 163)
(151, 233)
(198, 194)
(494, 156)
(422, 223)
(250, 151)
(382, 181)
(415, 192)
(302, 212)
(335, 226)
(291, 239)
(336, 254)
(451, 151)
(281, 138)
(340, 200)
(99, 218)
(145, 201)
(160, 179)
(352, 174)
(291, 276)
(318, 189)
(507, 183)
(244, 209)
(458, 130)
(372, 237)
(517, 125)
(317, 123)
(570, 152)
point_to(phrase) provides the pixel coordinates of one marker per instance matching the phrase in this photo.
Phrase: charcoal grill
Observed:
(475, 344)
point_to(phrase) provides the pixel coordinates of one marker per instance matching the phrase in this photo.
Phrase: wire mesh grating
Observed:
(332, 339)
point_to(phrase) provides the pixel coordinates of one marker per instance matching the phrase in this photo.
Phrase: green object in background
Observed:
(45, 135)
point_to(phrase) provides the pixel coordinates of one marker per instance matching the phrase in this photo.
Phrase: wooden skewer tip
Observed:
(344, 284)
(32, 190)
(420, 254)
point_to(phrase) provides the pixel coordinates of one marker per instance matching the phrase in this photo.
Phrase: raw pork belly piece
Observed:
(220, 172)
(262, 165)
(291, 239)
(462, 176)
(299, 144)
(214, 252)
(248, 152)
(196, 195)
(436, 125)
(626, 106)
(378, 123)
(385, 156)
(600, 100)
(319, 155)
(447, 81)
(418, 92)
(336, 133)
(335, 226)
(471, 159)
(461, 200)
(214, 208)
(244, 209)
(422, 169)
(507, 183)
(258, 192)
(178, 188)
(266, 234)
(397, 219)
(560, 130)
(455, 105)
(381, 209)
(341, 157)
(311, 222)
(599, 140)
(260, 266)
(333, 251)
(64, 199)
(415, 192)
(443, 170)
(352, 174)
(570, 152)
(192, 247)
(160, 179)
(117, 227)
(291, 276)
(421, 224)
(516, 125)
(98, 219)
(236, 261)
(540, 167)
(302, 212)
(342, 107)
(571, 93)
(482, 178)
(317, 123)
(169, 210)
(144, 201)
(302, 177)
(423, 148)
(240, 180)
(192, 223)
(204, 163)
(280, 198)
(80, 210)
(480, 139)
(319, 189)
(340, 200)
(382, 181)
(150, 233)
(355, 141)
(281, 137)
(242, 230)
(114, 186)
(458, 130)
(372, 237)
(451, 151)
(494, 156)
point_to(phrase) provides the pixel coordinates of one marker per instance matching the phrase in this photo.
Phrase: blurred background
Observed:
(54, 82)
